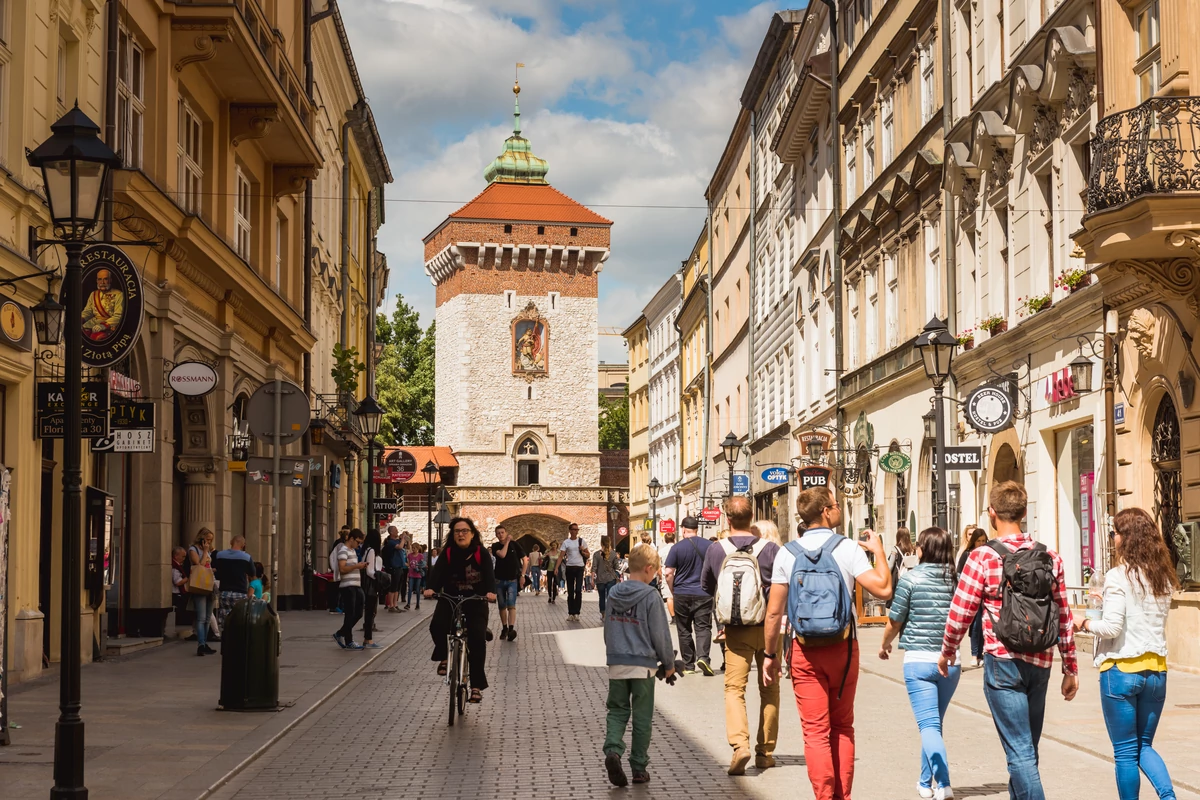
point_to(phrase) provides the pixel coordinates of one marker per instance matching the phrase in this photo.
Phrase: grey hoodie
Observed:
(636, 630)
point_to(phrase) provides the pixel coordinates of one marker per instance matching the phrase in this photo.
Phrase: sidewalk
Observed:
(1078, 724)
(153, 730)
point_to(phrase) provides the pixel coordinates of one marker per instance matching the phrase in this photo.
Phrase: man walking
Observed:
(353, 600)
(824, 668)
(574, 554)
(745, 643)
(334, 590)
(511, 566)
(1014, 681)
(395, 560)
(693, 606)
(233, 569)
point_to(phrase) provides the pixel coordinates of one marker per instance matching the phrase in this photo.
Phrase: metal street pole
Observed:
(68, 731)
(277, 448)
(429, 513)
(729, 489)
(941, 503)
(654, 522)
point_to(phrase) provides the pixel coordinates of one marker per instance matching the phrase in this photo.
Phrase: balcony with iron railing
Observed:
(1144, 187)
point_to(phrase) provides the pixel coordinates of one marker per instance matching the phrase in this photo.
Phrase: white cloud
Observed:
(442, 64)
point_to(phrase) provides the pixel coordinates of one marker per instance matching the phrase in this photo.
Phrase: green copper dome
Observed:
(517, 164)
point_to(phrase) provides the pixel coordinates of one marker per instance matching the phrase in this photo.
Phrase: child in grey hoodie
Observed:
(638, 638)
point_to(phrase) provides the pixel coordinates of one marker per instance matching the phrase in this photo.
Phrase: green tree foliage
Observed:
(346, 368)
(614, 423)
(404, 377)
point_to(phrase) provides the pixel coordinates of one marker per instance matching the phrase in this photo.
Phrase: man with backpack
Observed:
(737, 573)
(1023, 590)
(813, 581)
(693, 606)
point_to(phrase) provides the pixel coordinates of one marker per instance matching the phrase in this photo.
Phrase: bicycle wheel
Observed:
(452, 674)
(464, 683)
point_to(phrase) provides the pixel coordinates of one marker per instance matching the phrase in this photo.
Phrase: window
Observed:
(541, 230)
(355, 216)
(888, 121)
(574, 231)
(191, 172)
(241, 215)
(527, 473)
(868, 14)
(851, 182)
(508, 229)
(932, 278)
(509, 296)
(868, 132)
(280, 238)
(852, 333)
(131, 100)
(61, 77)
(1148, 65)
(872, 314)
(928, 102)
(891, 310)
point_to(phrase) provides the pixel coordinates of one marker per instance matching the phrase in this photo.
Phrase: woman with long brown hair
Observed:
(976, 537)
(1131, 650)
(606, 566)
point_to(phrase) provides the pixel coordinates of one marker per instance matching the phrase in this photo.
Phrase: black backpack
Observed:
(1028, 620)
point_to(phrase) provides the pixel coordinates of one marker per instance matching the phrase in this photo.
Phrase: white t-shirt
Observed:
(348, 556)
(570, 549)
(848, 555)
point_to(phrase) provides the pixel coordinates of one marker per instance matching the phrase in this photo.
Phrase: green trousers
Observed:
(625, 697)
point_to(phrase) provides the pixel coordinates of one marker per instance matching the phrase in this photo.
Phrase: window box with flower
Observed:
(966, 339)
(995, 324)
(1072, 280)
(1028, 306)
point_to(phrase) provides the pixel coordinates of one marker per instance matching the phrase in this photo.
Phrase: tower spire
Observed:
(517, 99)
(517, 164)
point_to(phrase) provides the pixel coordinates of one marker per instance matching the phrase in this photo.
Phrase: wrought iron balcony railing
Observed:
(1151, 149)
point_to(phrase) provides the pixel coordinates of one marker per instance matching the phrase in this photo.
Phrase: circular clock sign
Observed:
(12, 321)
(989, 409)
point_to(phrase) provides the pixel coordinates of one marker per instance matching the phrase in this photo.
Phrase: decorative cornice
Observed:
(1178, 278)
(251, 121)
(201, 281)
(529, 494)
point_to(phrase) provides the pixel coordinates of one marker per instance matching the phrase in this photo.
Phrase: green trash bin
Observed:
(250, 658)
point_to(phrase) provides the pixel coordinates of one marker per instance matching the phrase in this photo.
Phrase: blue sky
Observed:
(630, 102)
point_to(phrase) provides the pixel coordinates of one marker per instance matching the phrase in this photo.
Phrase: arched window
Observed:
(528, 456)
(1166, 456)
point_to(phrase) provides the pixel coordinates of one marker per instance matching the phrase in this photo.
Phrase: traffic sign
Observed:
(294, 413)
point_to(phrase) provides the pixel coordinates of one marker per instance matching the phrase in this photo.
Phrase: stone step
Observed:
(126, 645)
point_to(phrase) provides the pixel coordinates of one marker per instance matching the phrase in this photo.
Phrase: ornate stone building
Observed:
(517, 271)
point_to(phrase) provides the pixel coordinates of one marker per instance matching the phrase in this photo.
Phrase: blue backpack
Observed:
(820, 608)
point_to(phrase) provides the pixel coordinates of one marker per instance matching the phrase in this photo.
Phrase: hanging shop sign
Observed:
(969, 459)
(811, 441)
(192, 378)
(741, 483)
(812, 477)
(666, 526)
(112, 305)
(131, 428)
(989, 409)
(51, 408)
(864, 431)
(16, 324)
(775, 475)
(385, 506)
(895, 462)
(1059, 386)
(622, 531)
(401, 467)
(123, 385)
(710, 515)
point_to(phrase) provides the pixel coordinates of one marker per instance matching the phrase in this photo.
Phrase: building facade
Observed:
(694, 357)
(637, 342)
(664, 446)
(516, 273)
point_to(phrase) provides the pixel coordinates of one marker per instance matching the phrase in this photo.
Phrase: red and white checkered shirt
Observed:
(980, 581)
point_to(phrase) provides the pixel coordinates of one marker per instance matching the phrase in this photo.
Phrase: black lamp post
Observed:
(937, 345)
(655, 489)
(613, 513)
(731, 447)
(431, 473)
(74, 163)
(370, 416)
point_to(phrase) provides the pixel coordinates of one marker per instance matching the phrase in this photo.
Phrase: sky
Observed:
(630, 101)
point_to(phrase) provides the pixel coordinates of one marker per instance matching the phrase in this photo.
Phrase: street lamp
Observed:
(613, 514)
(929, 422)
(74, 163)
(370, 416)
(730, 447)
(655, 490)
(1081, 374)
(937, 345)
(48, 318)
(431, 474)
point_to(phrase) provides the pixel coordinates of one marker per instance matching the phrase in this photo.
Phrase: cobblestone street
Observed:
(539, 732)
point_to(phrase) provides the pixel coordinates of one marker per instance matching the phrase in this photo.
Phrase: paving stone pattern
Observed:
(510, 747)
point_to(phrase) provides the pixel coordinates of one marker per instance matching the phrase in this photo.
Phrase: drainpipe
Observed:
(839, 334)
(345, 234)
(370, 240)
(753, 264)
(949, 256)
(310, 496)
(112, 22)
(708, 351)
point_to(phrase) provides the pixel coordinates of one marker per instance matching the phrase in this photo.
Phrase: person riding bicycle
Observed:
(463, 570)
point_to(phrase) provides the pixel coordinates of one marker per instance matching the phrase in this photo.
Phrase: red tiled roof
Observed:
(516, 202)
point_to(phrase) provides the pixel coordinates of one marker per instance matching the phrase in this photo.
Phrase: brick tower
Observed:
(517, 272)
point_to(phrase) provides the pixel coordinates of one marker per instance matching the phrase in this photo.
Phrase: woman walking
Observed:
(534, 573)
(978, 538)
(606, 565)
(199, 555)
(550, 565)
(1131, 650)
(918, 615)
(416, 575)
(371, 550)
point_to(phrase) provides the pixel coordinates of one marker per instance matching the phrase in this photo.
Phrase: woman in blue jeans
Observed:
(918, 615)
(1131, 650)
(605, 566)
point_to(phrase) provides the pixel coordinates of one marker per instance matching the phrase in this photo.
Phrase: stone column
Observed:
(200, 498)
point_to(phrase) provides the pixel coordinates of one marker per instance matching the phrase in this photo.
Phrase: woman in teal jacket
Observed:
(918, 615)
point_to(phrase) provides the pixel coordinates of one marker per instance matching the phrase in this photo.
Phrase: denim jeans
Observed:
(353, 600)
(414, 591)
(1132, 704)
(1016, 693)
(977, 635)
(535, 579)
(602, 589)
(929, 694)
(201, 606)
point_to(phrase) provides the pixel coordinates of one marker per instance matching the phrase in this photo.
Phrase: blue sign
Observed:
(776, 475)
(1119, 414)
(741, 483)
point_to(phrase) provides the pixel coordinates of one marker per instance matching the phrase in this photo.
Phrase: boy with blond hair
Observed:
(637, 638)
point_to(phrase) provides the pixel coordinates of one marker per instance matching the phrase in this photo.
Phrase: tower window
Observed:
(574, 231)
(509, 296)
(527, 473)
(553, 298)
(541, 230)
(508, 228)
(528, 392)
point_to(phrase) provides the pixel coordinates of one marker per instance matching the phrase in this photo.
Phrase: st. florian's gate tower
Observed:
(517, 271)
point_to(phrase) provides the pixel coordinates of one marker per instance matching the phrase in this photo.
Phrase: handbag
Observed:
(201, 579)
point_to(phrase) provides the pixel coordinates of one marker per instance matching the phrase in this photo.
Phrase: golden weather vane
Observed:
(517, 78)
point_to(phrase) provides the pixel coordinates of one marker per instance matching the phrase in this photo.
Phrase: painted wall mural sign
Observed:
(193, 378)
(112, 306)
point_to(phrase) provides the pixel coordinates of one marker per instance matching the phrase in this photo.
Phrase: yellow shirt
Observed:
(1151, 662)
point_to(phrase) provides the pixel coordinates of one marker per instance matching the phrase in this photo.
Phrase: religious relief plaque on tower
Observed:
(530, 343)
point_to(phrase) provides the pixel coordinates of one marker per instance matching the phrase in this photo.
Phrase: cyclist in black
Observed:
(464, 569)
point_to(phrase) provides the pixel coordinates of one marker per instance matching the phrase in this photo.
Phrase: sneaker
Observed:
(641, 776)
(924, 791)
(703, 666)
(616, 774)
(337, 637)
(199, 651)
(689, 672)
(372, 646)
(512, 634)
(208, 651)
(943, 793)
(737, 766)
(353, 646)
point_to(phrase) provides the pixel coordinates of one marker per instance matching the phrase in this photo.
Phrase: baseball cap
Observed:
(690, 523)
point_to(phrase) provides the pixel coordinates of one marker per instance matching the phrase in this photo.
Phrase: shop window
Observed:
(1165, 456)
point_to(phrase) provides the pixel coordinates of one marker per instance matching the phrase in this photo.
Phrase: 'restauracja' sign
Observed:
(112, 305)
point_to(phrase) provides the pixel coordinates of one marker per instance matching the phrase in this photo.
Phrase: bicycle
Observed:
(458, 666)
